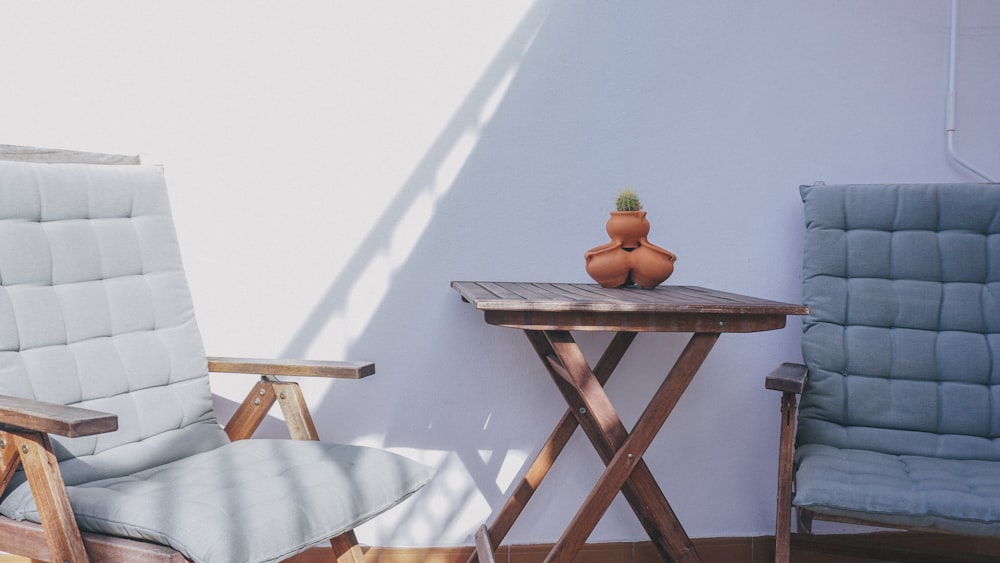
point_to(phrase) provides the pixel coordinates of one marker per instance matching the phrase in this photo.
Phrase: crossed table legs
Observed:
(621, 451)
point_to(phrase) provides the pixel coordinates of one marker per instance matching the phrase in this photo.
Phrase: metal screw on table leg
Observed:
(583, 410)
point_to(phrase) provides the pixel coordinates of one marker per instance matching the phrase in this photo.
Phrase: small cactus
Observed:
(628, 201)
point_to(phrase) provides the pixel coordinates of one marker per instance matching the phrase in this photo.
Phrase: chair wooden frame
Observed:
(25, 426)
(790, 380)
(829, 255)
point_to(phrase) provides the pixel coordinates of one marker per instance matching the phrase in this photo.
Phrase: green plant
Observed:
(628, 201)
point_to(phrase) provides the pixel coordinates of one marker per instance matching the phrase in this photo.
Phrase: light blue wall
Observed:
(334, 166)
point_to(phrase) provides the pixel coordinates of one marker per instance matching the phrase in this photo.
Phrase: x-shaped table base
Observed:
(621, 451)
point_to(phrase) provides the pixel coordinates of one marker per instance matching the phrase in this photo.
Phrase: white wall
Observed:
(333, 166)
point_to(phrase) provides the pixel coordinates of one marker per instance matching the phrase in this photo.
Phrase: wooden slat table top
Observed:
(580, 297)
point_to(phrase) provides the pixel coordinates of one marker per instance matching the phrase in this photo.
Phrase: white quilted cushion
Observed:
(252, 500)
(95, 312)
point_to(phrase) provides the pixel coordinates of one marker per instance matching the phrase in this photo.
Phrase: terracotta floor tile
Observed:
(440, 555)
(593, 553)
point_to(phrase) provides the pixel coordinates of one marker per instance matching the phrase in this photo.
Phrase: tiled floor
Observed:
(712, 550)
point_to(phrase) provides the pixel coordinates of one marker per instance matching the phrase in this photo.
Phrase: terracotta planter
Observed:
(629, 258)
(628, 227)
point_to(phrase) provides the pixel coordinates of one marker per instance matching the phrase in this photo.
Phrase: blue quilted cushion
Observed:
(957, 495)
(903, 348)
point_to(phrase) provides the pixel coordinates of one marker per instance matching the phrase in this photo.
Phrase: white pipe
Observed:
(951, 98)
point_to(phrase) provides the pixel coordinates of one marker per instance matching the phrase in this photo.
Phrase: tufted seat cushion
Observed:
(95, 312)
(958, 495)
(252, 500)
(900, 419)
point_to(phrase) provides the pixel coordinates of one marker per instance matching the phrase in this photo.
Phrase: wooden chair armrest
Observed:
(254, 408)
(49, 418)
(788, 378)
(304, 368)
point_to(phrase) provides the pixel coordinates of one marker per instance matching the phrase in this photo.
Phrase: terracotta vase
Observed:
(628, 227)
(629, 258)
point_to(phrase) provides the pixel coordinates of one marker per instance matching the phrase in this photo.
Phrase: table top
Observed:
(576, 306)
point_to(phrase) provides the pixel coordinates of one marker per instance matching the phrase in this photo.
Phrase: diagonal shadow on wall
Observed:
(493, 193)
(412, 208)
(428, 178)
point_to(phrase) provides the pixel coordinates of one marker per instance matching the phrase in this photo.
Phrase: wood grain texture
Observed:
(548, 313)
(251, 411)
(293, 406)
(590, 307)
(786, 453)
(788, 378)
(346, 549)
(300, 368)
(27, 539)
(49, 492)
(258, 403)
(553, 446)
(10, 460)
(623, 467)
(567, 297)
(49, 418)
(607, 434)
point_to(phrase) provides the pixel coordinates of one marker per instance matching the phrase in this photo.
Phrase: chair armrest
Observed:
(304, 368)
(788, 378)
(269, 390)
(50, 418)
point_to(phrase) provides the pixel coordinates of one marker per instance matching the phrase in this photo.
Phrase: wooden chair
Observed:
(109, 448)
(899, 418)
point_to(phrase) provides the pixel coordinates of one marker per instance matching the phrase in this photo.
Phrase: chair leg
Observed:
(783, 522)
(251, 411)
(293, 406)
(259, 401)
(42, 469)
(346, 548)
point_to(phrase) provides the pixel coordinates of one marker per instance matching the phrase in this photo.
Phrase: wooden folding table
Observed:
(547, 312)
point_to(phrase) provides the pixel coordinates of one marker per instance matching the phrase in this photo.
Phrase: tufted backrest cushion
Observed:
(903, 337)
(95, 312)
